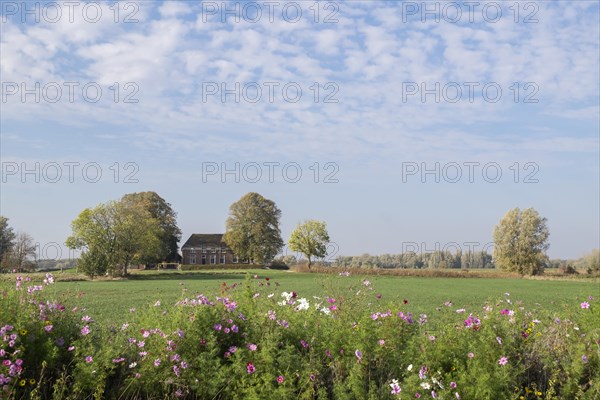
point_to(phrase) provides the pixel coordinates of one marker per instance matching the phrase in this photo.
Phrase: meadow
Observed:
(270, 334)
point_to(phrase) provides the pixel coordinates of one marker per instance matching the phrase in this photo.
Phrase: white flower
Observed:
(133, 365)
(425, 385)
(302, 304)
(325, 310)
(409, 368)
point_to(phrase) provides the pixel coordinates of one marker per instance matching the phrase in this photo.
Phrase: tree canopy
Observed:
(7, 236)
(169, 233)
(115, 235)
(252, 228)
(521, 241)
(310, 239)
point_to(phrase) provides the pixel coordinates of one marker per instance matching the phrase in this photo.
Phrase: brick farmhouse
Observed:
(207, 249)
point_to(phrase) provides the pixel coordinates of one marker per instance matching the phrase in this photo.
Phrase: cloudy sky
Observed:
(401, 124)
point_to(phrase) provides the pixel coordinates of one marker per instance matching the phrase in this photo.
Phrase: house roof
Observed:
(207, 239)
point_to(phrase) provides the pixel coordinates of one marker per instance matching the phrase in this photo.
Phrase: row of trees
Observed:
(435, 260)
(141, 228)
(17, 250)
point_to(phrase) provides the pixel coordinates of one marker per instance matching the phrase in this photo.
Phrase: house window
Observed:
(203, 258)
(222, 258)
(213, 249)
(192, 258)
(203, 248)
(213, 259)
(235, 259)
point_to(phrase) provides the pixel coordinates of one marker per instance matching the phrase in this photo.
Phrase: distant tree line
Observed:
(434, 260)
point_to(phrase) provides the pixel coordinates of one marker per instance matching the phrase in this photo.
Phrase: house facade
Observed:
(207, 249)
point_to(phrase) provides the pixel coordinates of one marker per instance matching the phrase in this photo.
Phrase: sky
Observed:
(402, 125)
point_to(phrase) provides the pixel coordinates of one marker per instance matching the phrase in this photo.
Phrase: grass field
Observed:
(109, 301)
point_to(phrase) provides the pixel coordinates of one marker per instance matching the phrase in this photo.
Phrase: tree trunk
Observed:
(309, 263)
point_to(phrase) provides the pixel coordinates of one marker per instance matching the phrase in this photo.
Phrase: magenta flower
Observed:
(503, 361)
(250, 368)
(395, 387)
(585, 304)
(304, 343)
(453, 385)
(251, 347)
(157, 362)
(89, 359)
(85, 330)
(48, 328)
(280, 379)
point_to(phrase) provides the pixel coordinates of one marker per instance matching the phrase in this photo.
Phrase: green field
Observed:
(110, 301)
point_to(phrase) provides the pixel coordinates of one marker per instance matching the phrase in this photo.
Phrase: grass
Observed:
(109, 301)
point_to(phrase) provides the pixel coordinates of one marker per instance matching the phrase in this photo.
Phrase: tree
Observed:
(21, 255)
(159, 209)
(7, 236)
(521, 241)
(310, 239)
(113, 236)
(252, 228)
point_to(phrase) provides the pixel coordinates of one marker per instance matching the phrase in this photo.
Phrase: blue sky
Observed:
(386, 87)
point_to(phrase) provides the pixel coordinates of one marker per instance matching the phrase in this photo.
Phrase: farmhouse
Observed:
(203, 248)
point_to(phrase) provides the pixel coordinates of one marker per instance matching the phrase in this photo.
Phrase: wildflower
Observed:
(453, 385)
(280, 379)
(367, 283)
(302, 305)
(381, 342)
(423, 372)
(460, 311)
(183, 365)
(333, 307)
(71, 348)
(157, 362)
(252, 347)
(504, 312)
(250, 368)
(217, 327)
(89, 359)
(405, 301)
(409, 368)
(132, 309)
(85, 330)
(457, 395)
(585, 304)
(422, 319)
(304, 343)
(499, 339)
(425, 385)
(118, 360)
(86, 318)
(157, 303)
(471, 355)
(327, 353)
(395, 387)
(434, 394)
(312, 377)
(417, 395)
(180, 333)
(503, 361)
(176, 370)
(358, 354)
(432, 338)
(584, 359)
(48, 328)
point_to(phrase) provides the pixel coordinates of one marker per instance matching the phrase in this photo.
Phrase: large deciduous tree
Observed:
(7, 236)
(252, 228)
(159, 209)
(521, 241)
(311, 239)
(21, 254)
(113, 236)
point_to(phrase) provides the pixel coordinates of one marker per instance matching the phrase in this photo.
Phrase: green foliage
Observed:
(169, 233)
(252, 229)
(310, 239)
(113, 236)
(253, 340)
(521, 241)
(7, 236)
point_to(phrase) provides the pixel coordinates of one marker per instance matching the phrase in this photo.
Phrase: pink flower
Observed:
(381, 342)
(85, 330)
(250, 368)
(157, 362)
(499, 339)
(395, 387)
(89, 359)
(471, 355)
(280, 379)
(453, 385)
(585, 304)
(503, 361)
(359, 355)
(251, 347)
(71, 348)
(48, 328)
